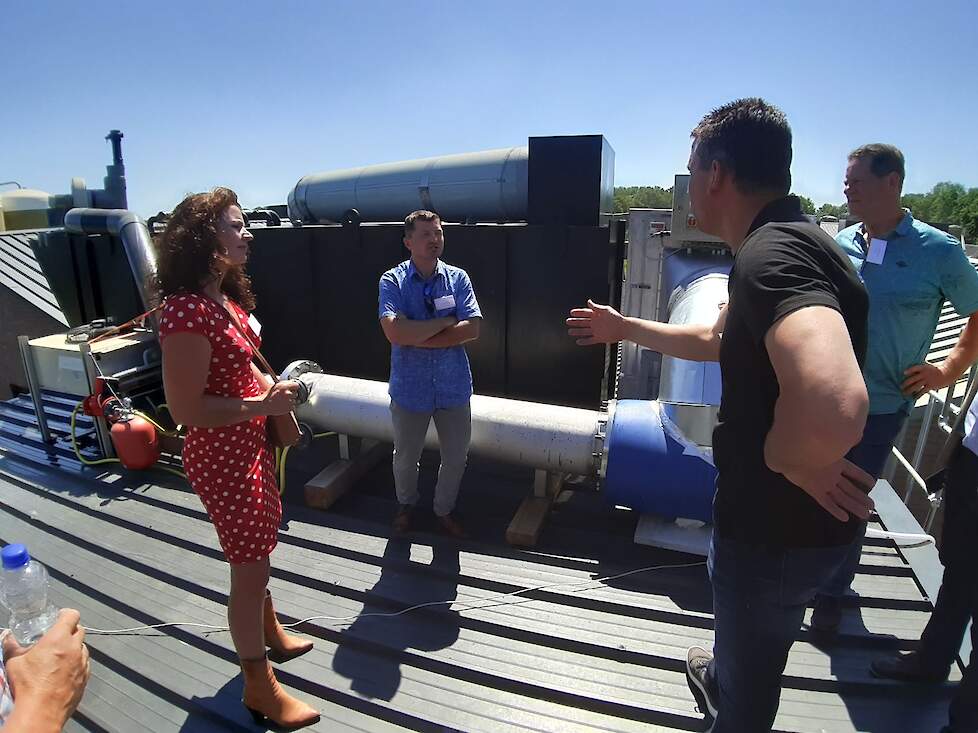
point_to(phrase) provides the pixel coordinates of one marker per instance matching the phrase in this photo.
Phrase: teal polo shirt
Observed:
(921, 268)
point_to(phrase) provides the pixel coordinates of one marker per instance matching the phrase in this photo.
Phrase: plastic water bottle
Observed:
(24, 591)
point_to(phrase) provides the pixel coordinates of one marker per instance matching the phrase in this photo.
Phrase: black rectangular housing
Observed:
(317, 292)
(571, 180)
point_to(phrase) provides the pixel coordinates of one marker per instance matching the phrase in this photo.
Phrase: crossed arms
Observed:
(436, 333)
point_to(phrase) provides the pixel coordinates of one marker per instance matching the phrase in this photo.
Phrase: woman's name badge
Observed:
(254, 325)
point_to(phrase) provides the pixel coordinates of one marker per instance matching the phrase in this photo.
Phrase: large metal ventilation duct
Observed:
(486, 186)
(690, 390)
(135, 238)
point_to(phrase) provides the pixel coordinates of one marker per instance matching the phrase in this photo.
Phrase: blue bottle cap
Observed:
(14, 556)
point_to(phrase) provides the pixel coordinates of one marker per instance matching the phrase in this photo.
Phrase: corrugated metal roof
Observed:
(21, 273)
(504, 654)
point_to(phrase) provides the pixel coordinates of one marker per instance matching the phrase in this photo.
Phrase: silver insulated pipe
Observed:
(550, 437)
(135, 238)
(485, 186)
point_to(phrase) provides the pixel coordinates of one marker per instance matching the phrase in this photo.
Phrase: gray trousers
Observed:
(454, 426)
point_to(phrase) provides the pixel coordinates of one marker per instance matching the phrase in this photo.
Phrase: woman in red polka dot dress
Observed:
(213, 387)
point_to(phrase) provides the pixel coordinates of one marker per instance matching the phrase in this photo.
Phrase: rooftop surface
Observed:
(585, 632)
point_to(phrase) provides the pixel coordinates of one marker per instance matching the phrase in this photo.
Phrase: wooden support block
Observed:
(323, 489)
(524, 529)
(555, 484)
(547, 483)
(540, 483)
(344, 444)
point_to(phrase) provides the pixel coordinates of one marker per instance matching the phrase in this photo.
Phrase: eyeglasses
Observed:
(429, 301)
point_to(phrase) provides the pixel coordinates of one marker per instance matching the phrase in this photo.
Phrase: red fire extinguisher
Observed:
(134, 439)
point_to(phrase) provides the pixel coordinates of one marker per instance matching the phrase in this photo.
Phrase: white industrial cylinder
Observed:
(550, 437)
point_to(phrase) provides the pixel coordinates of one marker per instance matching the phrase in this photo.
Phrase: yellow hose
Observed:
(74, 443)
(280, 462)
(174, 471)
(159, 428)
(102, 461)
(280, 456)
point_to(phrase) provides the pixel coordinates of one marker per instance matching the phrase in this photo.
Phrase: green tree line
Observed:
(642, 197)
(946, 203)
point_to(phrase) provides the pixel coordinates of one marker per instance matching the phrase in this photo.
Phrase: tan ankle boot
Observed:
(282, 647)
(268, 702)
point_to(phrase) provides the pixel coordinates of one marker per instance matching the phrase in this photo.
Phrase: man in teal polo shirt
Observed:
(909, 269)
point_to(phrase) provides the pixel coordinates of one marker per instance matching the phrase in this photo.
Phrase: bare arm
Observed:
(821, 410)
(461, 333)
(602, 324)
(265, 380)
(186, 361)
(405, 332)
(924, 377)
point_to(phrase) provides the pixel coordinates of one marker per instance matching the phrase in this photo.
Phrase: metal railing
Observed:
(940, 412)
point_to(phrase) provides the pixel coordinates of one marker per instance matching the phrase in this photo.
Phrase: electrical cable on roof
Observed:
(490, 602)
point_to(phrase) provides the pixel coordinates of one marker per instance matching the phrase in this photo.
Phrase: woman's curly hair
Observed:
(188, 250)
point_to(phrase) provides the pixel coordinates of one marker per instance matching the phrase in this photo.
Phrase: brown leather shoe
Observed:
(451, 526)
(281, 646)
(402, 522)
(268, 702)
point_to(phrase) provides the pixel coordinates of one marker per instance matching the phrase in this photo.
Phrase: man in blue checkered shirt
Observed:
(428, 310)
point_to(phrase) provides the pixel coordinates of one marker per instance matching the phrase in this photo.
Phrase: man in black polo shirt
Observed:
(790, 343)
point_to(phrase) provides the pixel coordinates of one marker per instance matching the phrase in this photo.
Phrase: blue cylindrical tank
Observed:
(650, 470)
(485, 186)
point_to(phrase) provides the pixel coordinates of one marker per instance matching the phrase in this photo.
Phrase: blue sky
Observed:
(255, 95)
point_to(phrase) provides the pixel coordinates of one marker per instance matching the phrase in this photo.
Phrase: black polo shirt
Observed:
(786, 263)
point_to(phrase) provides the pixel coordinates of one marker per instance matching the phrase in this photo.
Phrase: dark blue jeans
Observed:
(870, 455)
(759, 599)
(957, 601)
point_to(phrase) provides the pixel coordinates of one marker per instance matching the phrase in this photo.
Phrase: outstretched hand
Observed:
(596, 324)
(841, 488)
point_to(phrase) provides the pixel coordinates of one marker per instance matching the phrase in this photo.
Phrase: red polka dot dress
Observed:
(231, 468)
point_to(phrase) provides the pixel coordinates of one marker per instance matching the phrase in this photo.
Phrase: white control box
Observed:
(684, 226)
(59, 366)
